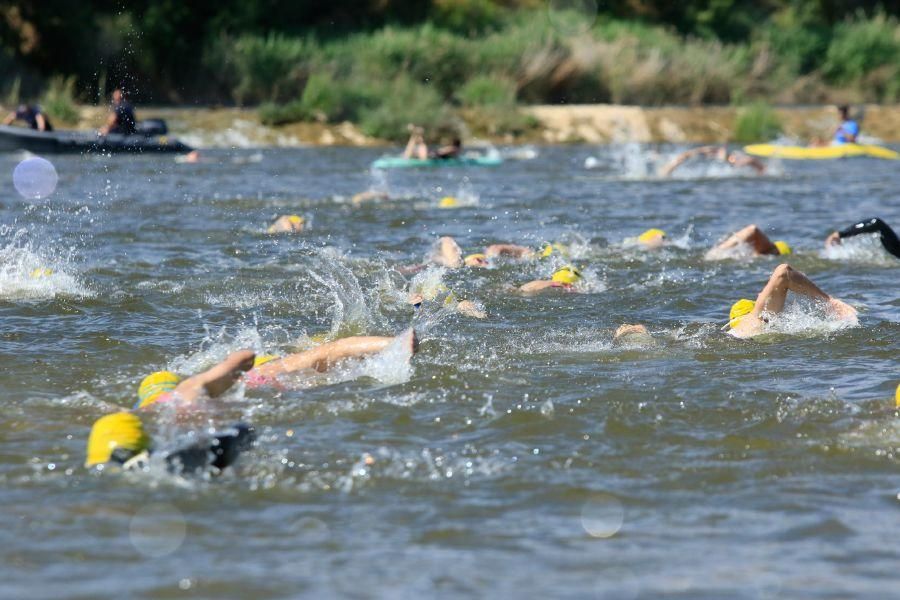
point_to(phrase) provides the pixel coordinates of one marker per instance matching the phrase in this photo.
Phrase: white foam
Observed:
(864, 248)
(33, 273)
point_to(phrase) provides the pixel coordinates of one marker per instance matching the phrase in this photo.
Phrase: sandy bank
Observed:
(593, 123)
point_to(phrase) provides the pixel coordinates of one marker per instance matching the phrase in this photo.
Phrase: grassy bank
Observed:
(389, 77)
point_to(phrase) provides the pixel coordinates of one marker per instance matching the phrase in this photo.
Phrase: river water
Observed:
(524, 454)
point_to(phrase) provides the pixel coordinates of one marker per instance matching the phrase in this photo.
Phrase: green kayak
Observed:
(398, 162)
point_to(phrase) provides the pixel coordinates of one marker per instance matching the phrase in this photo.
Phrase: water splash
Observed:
(33, 273)
(865, 248)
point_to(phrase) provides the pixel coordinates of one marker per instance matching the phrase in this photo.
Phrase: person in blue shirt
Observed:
(848, 130)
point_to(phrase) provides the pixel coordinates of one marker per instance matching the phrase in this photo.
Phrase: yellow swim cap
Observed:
(41, 272)
(262, 359)
(783, 247)
(568, 275)
(897, 395)
(448, 202)
(651, 235)
(296, 219)
(549, 249)
(476, 260)
(155, 385)
(120, 430)
(739, 310)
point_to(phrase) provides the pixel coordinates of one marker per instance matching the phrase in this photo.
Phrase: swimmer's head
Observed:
(296, 219)
(448, 202)
(551, 249)
(155, 385)
(783, 247)
(41, 272)
(568, 275)
(115, 437)
(652, 237)
(262, 359)
(476, 260)
(739, 310)
(897, 396)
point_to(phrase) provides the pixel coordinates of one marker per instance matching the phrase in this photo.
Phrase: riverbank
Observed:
(586, 123)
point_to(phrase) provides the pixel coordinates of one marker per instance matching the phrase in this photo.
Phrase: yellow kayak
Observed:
(820, 152)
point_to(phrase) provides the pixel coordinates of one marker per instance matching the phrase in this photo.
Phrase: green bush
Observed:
(860, 46)
(484, 90)
(59, 100)
(405, 101)
(270, 68)
(756, 123)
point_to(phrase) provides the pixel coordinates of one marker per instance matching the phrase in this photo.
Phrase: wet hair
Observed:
(844, 109)
(457, 142)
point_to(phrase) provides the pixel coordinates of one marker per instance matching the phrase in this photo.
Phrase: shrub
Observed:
(267, 68)
(405, 101)
(59, 100)
(484, 90)
(860, 46)
(756, 123)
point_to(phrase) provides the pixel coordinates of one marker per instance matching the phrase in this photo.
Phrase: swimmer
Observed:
(750, 236)
(287, 224)
(369, 196)
(463, 307)
(886, 234)
(897, 396)
(447, 253)
(651, 239)
(563, 279)
(119, 439)
(748, 318)
(509, 251)
(719, 153)
(416, 148)
(165, 386)
(633, 335)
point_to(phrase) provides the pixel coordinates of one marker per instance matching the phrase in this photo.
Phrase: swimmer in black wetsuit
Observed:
(886, 234)
(119, 439)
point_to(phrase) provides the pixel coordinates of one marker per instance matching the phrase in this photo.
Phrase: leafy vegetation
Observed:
(387, 63)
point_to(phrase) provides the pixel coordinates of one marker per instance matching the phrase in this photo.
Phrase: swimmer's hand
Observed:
(833, 240)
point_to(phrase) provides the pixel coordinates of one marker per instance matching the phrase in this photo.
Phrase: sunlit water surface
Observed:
(521, 455)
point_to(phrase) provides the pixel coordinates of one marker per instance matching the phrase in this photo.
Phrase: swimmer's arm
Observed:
(8, 120)
(784, 279)
(508, 250)
(539, 285)
(41, 122)
(217, 380)
(752, 235)
(322, 358)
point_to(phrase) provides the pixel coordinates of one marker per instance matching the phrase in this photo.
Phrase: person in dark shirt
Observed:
(886, 234)
(31, 114)
(121, 118)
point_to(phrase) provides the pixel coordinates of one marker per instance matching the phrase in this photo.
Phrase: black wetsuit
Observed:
(220, 451)
(126, 124)
(888, 237)
(29, 114)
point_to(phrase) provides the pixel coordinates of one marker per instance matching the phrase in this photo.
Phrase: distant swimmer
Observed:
(719, 153)
(416, 148)
(287, 224)
(886, 234)
(32, 115)
(369, 196)
(750, 237)
(563, 279)
(748, 318)
(121, 118)
(650, 239)
(464, 307)
(633, 335)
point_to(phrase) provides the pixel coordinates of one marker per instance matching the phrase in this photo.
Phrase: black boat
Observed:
(150, 137)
